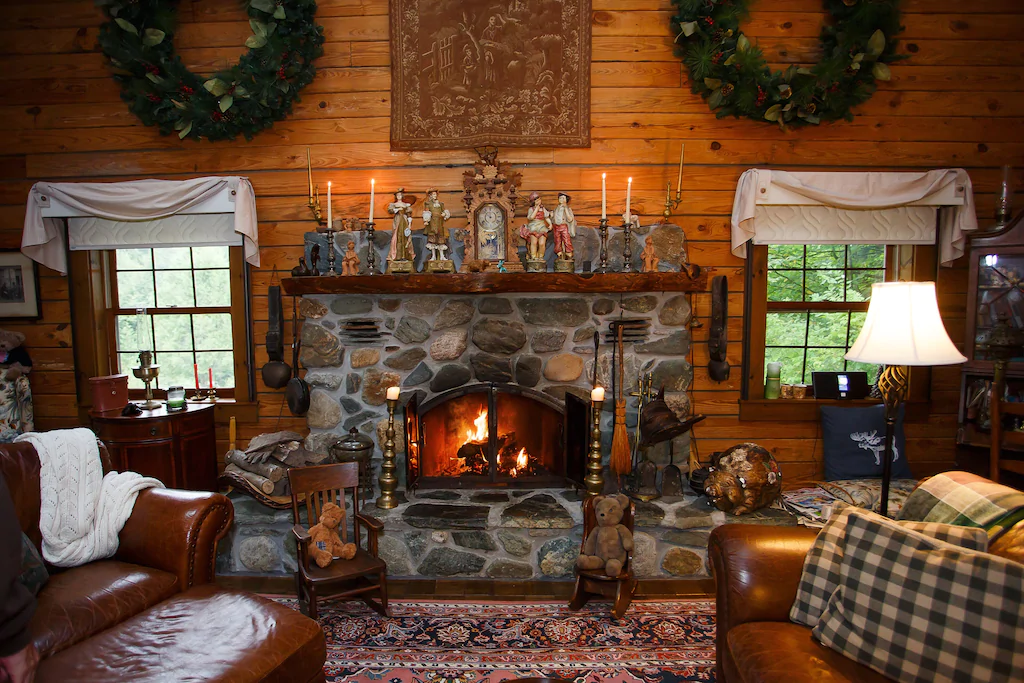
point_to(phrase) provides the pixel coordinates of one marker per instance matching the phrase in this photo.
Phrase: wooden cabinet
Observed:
(178, 448)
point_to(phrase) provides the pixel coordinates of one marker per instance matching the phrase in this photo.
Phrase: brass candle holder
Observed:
(670, 203)
(602, 231)
(314, 193)
(388, 479)
(594, 481)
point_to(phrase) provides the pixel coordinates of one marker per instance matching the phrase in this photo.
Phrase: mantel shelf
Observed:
(495, 283)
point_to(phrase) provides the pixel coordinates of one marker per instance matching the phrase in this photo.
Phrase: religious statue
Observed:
(649, 258)
(350, 264)
(535, 233)
(564, 221)
(434, 216)
(401, 254)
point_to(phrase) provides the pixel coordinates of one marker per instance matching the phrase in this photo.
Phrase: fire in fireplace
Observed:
(494, 435)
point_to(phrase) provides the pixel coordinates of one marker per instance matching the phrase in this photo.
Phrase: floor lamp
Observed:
(902, 328)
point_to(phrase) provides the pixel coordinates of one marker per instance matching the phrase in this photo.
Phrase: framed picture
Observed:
(19, 286)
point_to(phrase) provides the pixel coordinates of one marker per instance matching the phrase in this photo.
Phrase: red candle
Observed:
(195, 366)
(211, 378)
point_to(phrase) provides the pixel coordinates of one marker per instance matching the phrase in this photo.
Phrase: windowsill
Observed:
(807, 409)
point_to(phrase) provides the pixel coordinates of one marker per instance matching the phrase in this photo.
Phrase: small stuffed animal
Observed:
(325, 544)
(14, 359)
(608, 545)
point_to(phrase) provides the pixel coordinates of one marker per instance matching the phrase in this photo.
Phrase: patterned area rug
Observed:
(472, 642)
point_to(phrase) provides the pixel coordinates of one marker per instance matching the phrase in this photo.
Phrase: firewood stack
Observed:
(261, 470)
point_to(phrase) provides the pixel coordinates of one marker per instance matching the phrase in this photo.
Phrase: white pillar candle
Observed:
(604, 195)
(597, 394)
(329, 214)
(393, 393)
(629, 190)
(373, 187)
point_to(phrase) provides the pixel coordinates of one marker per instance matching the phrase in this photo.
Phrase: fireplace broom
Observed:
(620, 457)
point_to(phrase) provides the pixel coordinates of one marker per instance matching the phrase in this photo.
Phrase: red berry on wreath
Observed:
(154, 98)
(280, 72)
(217, 116)
(709, 21)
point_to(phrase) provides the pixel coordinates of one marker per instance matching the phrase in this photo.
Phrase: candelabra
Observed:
(148, 373)
(371, 251)
(602, 231)
(627, 249)
(671, 204)
(314, 193)
(388, 480)
(594, 480)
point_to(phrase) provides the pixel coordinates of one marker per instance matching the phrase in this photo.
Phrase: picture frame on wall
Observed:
(19, 286)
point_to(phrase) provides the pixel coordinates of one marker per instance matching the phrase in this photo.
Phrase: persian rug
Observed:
(471, 73)
(472, 642)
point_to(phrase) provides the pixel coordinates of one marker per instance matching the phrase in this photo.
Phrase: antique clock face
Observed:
(490, 232)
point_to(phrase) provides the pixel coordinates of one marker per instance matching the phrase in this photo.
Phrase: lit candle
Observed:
(393, 393)
(629, 190)
(329, 214)
(604, 195)
(373, 187)
(597, 394)
(211, 378)
(679, 180)
(195, 366)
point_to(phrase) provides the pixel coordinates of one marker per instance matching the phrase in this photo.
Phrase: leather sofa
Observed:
(152, 612)
(757, 569)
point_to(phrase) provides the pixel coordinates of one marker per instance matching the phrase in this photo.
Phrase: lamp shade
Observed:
(903, 327)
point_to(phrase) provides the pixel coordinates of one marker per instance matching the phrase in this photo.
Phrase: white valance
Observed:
(782, 207)
(140, 213)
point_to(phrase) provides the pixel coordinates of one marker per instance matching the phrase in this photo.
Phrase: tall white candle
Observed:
(329, 214)
(604, 195)
(629, 190)
(679, 180)
(373, 186)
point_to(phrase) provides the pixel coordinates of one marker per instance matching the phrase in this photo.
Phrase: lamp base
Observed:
(893, 386)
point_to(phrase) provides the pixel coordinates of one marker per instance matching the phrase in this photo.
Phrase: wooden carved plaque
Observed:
(467, 73)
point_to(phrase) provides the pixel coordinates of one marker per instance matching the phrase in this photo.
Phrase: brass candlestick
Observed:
(602, 231)
(671, 204)
(314, 193)
(594, 480)
(388, 480)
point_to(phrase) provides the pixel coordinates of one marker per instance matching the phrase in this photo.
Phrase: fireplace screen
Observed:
(487, 435)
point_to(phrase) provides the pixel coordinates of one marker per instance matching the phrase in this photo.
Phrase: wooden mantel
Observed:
(496, 283)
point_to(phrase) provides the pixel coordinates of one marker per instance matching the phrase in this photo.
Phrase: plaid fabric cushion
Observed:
(965, 499)
(821, 567)
(919, 610)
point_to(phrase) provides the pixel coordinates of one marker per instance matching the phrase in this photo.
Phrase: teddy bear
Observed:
(325, 544)
(14, 359)
(608, 545)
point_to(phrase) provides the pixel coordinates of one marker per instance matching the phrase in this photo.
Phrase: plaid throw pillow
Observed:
(919, 610)
(821, 567)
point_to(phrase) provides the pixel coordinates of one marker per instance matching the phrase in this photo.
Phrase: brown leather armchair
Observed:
(152, 610)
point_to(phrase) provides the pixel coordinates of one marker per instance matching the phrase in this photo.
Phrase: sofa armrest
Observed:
(176, 531)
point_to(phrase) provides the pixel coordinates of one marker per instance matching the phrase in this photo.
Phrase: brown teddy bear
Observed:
(325, 544)
(608, 545)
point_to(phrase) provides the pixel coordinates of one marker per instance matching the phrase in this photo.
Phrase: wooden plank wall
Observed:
(957, 101)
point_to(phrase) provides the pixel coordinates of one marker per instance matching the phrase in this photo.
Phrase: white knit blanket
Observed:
(82, 511)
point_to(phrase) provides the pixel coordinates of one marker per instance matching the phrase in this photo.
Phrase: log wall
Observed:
(957, 101)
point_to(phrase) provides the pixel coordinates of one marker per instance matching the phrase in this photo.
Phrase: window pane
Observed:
(134, 259)
(872, 370)
(826, 256)
(129, 361)
(174, 288)
(825, 285)
(827, 329)
(210, 257)
(858, 288)
(792, 363)
(824, 360)
(175, 369)
(127, 338)
(135, 289)
(785, 285)
(785, 256)
(866, 256)
(172, 257)
(223, 368)
(172, 332)
(856, 323)
(213, 288)
(785, 329)
(213, 331)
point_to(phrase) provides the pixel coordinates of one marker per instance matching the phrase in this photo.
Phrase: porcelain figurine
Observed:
(535, 233)
(401, 254)
(350, 264)
(650, 260)
(434, 216)
(564, 221)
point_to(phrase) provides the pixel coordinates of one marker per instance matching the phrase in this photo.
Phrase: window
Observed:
(817, 298)
(188, 295)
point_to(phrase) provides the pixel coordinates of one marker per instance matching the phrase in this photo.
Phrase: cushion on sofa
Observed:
(820, 575)
(918, 610)
(853, 443)
(80, 602)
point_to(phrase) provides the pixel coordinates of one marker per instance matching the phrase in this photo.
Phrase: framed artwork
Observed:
(19, 286)
(471, 73)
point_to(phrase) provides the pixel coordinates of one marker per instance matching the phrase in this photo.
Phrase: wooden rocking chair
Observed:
(590, 583)
(365, 575)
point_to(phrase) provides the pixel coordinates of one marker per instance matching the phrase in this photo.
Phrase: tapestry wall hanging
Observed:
(469, 73)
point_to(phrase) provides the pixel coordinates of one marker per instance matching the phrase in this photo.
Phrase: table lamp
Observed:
(903, 327)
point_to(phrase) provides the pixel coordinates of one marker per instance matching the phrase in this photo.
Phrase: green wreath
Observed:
(733, 76)
(250, 96)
